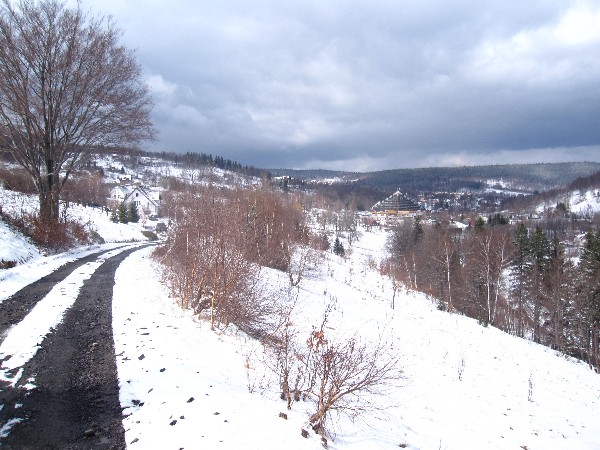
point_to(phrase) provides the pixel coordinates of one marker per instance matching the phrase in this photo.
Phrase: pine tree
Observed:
(479, 224)
(418, 229)
(114, 216)
(123, 213)
(589, 298)
(338, 247)
(133, 213)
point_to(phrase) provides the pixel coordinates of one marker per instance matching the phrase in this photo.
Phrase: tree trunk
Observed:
(49, 205)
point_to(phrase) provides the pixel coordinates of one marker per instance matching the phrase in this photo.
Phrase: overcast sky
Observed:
(356, 85)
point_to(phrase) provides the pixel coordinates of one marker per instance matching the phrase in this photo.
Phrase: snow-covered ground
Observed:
(464, 386)
(584, 202)
(17, 248)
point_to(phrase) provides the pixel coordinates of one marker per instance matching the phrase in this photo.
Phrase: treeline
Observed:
(539, 177)
(191, 159)
(516, 278)
(450, 179)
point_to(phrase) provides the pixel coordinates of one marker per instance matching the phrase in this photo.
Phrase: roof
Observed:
(397, 202)
(145, 193)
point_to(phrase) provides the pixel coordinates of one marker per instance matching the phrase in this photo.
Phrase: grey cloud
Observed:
(357, 85)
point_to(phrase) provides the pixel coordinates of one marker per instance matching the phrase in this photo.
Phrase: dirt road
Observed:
(75, 401)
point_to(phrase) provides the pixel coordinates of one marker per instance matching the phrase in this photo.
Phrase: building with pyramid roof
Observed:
(396, 204)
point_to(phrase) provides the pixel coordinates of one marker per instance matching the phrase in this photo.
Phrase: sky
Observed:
(362, 86)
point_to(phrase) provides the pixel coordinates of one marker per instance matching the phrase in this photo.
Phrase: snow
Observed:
(24, 339)
(464, 386)
(581, 202)
(182, 385)
(585, 202)
(15, 247)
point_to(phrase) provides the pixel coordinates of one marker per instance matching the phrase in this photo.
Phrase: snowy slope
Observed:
(585, 202)
(581, 202)
(465, 386)
(17, 248)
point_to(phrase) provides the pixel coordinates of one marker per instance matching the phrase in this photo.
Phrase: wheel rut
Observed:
(75, 402)
(16, 307)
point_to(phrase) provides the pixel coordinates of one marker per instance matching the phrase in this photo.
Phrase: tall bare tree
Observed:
(66, 84)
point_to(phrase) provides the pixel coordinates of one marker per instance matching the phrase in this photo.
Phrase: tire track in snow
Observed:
(23, 340)
(69, 356)
(14, 308)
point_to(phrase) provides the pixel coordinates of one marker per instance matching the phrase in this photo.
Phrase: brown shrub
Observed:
(57, 236)
(17, 180)
(7, 264)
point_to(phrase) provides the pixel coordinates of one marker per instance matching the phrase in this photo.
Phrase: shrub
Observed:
(338, 374)
(151, 236)
(57, 236)
(7, 264)
(17, 180)
(208, 259)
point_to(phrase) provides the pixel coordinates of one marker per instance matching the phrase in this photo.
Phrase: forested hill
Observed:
(540, 176)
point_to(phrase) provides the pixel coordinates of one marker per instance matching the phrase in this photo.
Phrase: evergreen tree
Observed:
(325, 243)
(123, 213)
(589, 299)
(114, 217)
(338, 247)
(479, 224)
(590, 272)
(539, 248)
(133, 213)
(520, 270)
(559, 293)
(418, 229)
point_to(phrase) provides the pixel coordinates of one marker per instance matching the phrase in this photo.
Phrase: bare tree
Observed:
(347, 372)
(66, 84)
(489, 253)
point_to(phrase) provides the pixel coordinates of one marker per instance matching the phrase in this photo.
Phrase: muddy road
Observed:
(67, 395)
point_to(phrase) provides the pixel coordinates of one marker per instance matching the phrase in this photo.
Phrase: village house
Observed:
(147, 202)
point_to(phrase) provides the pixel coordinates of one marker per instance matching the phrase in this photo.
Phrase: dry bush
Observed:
(340, 375)
(272, 226)
(349, 373)
(88, 188)
(286, 356)
(57, 236)
(7, 264)
(17, 180)
(205, 257)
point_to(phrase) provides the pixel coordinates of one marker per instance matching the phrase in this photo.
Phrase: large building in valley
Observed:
(396, 204)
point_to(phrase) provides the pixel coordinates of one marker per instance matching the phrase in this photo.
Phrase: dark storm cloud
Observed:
(370, 85)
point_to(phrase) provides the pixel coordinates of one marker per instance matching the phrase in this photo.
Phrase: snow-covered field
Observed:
(464, 386)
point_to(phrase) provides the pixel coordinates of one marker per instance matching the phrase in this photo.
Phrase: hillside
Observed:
(528, 177)
(463, 386)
